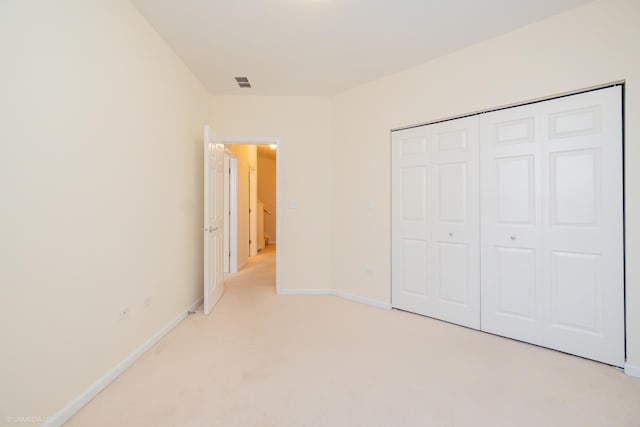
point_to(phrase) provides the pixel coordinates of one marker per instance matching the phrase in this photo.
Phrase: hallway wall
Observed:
(267, 193)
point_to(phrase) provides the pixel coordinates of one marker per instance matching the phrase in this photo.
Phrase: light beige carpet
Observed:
(267, 360)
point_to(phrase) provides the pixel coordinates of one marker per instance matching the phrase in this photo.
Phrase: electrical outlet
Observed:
(124, 313)
(147, 301)
(293, 204)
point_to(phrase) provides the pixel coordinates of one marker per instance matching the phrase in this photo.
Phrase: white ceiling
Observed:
(322, 47)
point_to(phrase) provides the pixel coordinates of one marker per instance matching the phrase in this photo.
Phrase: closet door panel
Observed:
(411, 229)
(455, 226)
(414, 272)
(516, 283)
(453, 272)
(435, 225)
(452, 192)
(511, 223)
(582, 231)
(515, 189)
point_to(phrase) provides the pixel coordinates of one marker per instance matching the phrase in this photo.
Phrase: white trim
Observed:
(632, 370)
(516, 104)
(316, 291)
(279, 213)
(339, 294)
(250, 140)
(226, 212)
(362, 300)
(191, 308)
(64, 414)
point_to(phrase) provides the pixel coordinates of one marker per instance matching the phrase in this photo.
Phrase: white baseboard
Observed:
(317, 291)
(76, 404)
(362, 300)
(632, 370)
(345, 295)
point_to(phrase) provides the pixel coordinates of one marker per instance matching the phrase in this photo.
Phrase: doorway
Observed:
(252, 174)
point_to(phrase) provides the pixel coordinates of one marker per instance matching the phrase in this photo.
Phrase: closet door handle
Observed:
(513, 238)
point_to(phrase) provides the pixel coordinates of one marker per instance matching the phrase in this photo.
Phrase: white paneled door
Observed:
(435, 240)
(538, 253)
(411, 242)
(583, 247)
(511, 213)
(213, 221)
(552, 238)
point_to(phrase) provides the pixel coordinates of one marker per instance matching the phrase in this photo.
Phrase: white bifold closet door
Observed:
(511, 222)
(552, 238)
(435, 241)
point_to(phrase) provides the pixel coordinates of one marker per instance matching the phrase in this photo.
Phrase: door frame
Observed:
(267, 141)
(231, 212)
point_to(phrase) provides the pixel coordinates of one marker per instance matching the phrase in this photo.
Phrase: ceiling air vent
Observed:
(243, 82)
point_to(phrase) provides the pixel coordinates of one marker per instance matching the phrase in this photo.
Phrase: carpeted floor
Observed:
(266, 360)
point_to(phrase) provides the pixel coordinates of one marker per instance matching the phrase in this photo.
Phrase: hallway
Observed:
(265, 360)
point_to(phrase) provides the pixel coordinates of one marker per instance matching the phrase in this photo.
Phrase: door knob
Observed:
(513, 238)
(450, 234)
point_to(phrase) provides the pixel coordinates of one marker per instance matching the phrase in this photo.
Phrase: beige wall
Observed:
(267, 194)
(247, 159)
(591, 45)
(100, 194)
(304, 126)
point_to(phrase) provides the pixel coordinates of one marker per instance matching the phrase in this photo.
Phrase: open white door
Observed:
(213, 221)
